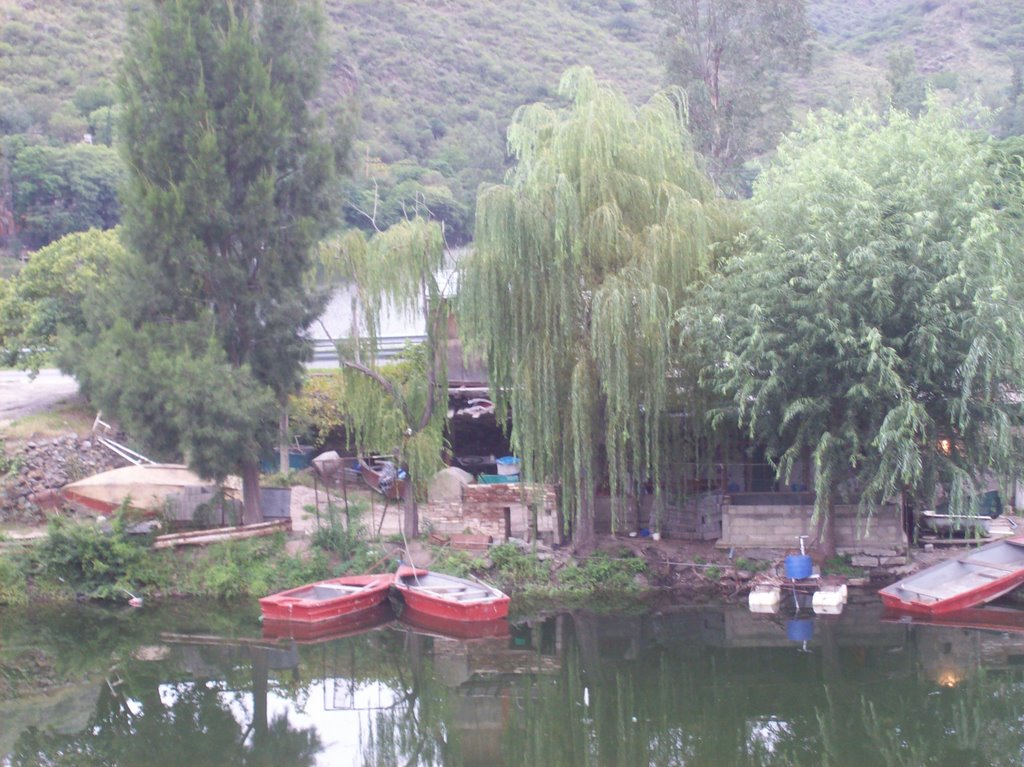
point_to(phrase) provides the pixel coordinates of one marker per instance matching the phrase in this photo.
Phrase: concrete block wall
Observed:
(698, 518)
(875, 541)
(482, 507)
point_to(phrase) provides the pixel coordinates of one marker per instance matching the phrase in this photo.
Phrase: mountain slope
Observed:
(436, 81)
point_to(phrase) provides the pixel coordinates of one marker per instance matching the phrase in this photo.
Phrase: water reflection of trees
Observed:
(416, 728)
(674, 705)
(144, 717)
(668, 690)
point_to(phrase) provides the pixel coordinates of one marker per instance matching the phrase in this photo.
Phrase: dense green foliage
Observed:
(59, 190)
(97, 563)
(49, 294)
(730, 57)
(229, 188)
(580, 260)
(874, 325)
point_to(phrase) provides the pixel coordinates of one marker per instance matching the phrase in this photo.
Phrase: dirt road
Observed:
(21, 395)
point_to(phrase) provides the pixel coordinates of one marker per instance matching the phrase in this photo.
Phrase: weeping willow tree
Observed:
(399, 410)
(581, 259)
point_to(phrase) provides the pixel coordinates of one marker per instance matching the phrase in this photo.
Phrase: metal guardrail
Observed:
(326, 354)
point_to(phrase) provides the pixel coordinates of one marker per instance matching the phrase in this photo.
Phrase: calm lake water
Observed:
(200, 685)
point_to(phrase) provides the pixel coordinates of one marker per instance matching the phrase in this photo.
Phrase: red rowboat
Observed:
(330, 600)
(956, 584)
(329, 630)
(447, 597)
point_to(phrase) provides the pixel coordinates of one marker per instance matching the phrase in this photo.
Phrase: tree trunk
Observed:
(282, 439)
(410, 513)
(583, 531)
(826, 537)
(252, 511)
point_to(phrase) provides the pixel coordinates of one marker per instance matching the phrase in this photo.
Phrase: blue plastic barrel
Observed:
(799, 630)
(798, 566)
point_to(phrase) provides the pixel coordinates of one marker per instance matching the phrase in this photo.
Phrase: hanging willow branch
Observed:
(399, 408)
(582, 258)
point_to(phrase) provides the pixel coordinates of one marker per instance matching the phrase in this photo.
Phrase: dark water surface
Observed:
(200, 685)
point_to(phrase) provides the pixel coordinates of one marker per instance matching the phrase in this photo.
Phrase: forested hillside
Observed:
(436, 81)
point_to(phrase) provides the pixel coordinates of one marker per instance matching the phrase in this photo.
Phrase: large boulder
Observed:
(447, 485)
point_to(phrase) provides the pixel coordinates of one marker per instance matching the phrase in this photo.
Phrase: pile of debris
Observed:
(37, 470)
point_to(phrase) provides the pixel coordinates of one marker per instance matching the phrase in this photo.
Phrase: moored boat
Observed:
(147, 488)
(385, 478)
(948, 525)
(329, 600)
(966, 581)
(447, 597)
(337, 628)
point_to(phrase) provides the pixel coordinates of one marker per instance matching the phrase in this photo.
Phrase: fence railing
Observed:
(325, 353)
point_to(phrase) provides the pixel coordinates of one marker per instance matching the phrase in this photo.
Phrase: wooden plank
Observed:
(221, 534)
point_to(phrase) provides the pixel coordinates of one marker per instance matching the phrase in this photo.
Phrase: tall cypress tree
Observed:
(229, 173)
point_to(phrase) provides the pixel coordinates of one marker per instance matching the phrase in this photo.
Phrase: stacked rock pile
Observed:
(37, 470)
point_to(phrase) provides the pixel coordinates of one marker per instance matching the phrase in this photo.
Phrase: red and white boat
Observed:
(335, 599)
(425, 593)
(325, 631)
(973, 579)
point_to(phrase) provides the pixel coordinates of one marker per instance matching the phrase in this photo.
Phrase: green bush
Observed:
(346, 538)
(519, 569)
(12, 583)
(252, 568)
(751, 565)
(601, 573)
(454, 562)
(100, 563)
(840, 565)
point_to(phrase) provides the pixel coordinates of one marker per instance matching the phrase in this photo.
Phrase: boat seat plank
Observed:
(440, 589)
(469, 596)
(334, 590)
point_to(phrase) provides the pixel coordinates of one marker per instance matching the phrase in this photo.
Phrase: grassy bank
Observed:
(86, 560)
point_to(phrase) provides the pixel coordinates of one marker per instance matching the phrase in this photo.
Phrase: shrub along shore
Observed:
(100, 560)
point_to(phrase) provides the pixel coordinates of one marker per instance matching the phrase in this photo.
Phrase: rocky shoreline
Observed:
(38, 469)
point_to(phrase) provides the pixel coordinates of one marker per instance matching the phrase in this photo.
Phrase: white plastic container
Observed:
(508, 465)
(764, 599)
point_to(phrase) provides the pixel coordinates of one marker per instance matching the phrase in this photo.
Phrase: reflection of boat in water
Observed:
(331, 600)
(975, 578)
(447, 597)
(432, 624)
(326, 631)
(988, 618)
